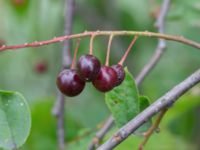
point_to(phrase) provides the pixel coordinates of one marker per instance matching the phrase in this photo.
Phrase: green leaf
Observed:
(144, 103)
(123, 100)
(15, 120)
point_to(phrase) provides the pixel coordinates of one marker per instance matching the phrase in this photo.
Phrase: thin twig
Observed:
(165, 101)
(60, 121)
(59, 108)
(161, 47)
(180, 39)
(160, 24)
(100, 134)
(151, 130)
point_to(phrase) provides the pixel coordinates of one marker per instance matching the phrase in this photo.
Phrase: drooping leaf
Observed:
(123, 100)
(15, 120)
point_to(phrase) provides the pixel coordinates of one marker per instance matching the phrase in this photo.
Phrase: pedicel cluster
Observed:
(71, 82)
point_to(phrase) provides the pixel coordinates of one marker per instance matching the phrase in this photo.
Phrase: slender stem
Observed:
(152, 128)
(161, 46)
(108, 50)
(127, 51)
(180, 39)
(165, 101)
(91, 43)
(60, 122)
(59, 107)
(75, 54)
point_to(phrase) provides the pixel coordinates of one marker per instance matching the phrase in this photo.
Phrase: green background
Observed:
(37, 20)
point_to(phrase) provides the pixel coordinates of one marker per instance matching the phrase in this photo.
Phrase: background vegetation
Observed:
(44, 19)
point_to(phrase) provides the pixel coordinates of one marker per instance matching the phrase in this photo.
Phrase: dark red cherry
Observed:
(41, 67)
(88, 67)
(106, 79)
(120, 73)
(69, 82)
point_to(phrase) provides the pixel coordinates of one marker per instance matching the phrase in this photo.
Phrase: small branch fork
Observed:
(151, 130)
(161, 48)
(164, 102)
(160, 22)
(180, 39)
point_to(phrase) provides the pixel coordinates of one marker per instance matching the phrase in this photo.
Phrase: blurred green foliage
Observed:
(15, 120)
(43, 19)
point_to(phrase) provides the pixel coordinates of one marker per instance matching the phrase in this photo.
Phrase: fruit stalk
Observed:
(75, 54)
(127, 51)
(91, 43)
(108, 50)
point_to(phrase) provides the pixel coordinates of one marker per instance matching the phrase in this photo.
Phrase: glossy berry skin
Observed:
(69, 83)
(120, 73)
(88, 67)
(106, 79)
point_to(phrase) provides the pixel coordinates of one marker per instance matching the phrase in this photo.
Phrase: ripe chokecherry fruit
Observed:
(69, 82)
(88, 67)
(41, 67)
(120, 73)
(106, 79)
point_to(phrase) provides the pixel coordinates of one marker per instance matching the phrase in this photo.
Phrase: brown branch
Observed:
(59, 107)
(180, 39)
(151, 130)
(165, 101)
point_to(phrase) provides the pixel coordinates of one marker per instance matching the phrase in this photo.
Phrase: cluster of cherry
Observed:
(71, 82)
